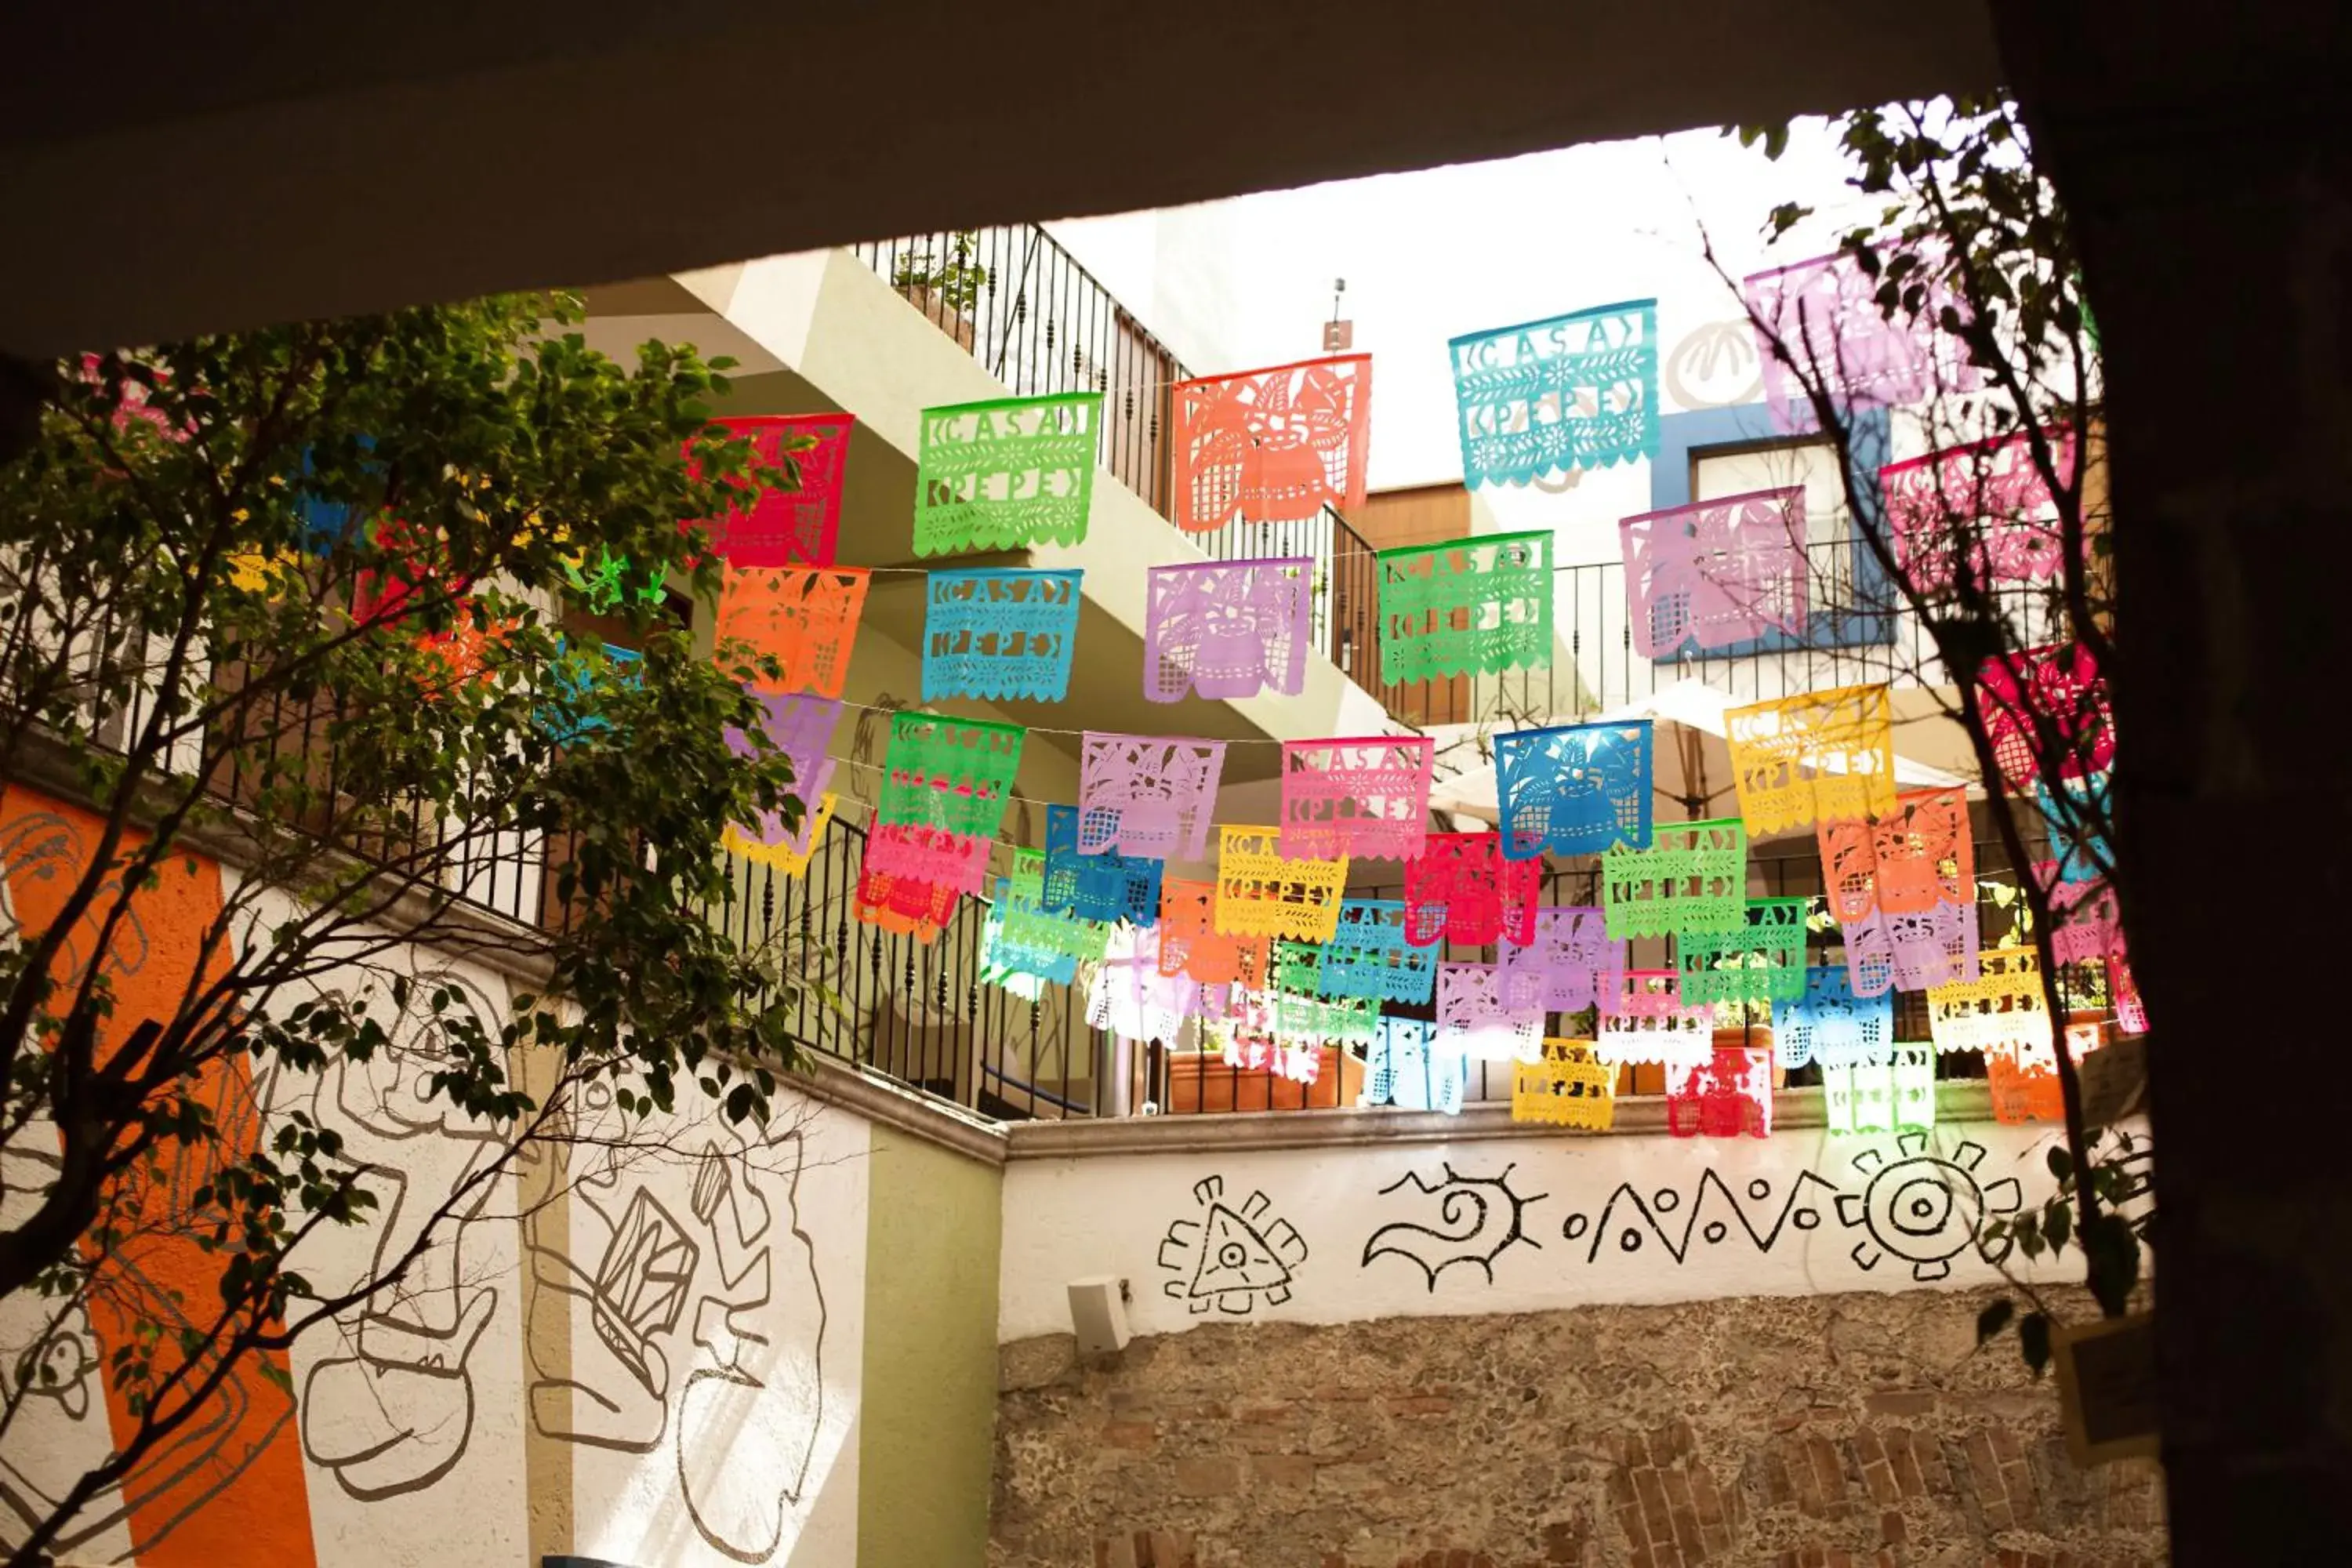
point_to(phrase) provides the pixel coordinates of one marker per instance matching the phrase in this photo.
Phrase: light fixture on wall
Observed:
(1339, 336)
(1098, 1313)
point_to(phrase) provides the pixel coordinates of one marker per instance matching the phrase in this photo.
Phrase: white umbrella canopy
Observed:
(1690, 766)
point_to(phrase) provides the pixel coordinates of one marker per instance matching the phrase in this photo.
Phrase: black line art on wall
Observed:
(1926, 1209)
(1628, 1224)
(1478, 1218)
(1231, 1259)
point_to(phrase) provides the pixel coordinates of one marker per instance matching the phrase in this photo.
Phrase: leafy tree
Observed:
(1969, 246)
(332, 600)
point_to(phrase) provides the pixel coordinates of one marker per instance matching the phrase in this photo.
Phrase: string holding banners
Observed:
(1104, 886)
(804, 617)
(1468, 606)
(1262, 893)
(1147, 794)
(1006, 473)
(1576, 789)
(781, 526)
(1692, 876)
(1988, 503)
(1717, 572)
(1000, 634)
(1271, 445)
(1462, 890)
(1366, 798)
(1228, 629)
(1549, 397)
(1820, 756)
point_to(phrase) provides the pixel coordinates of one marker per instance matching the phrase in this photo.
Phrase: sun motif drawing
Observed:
(1232, 1259)
(1922, 1208)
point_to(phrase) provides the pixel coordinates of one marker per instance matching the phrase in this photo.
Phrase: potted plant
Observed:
(941, 279)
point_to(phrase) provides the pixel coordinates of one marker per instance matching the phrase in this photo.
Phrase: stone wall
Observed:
(1803, 1432)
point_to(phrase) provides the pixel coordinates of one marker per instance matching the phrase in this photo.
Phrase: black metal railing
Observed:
(915, 1010)
(1025, 307)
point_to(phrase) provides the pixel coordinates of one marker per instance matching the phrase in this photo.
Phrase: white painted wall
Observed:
(1331, 1236)
(729, 1434)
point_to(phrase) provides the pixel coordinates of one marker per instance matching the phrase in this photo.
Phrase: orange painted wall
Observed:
(228, 1488)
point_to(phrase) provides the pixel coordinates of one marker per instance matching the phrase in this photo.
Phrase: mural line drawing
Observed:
(1479, 1219)
(707, 1330)
(1925, 1209)
(392, 1414)
(1651, 1218)
(1232, 1259)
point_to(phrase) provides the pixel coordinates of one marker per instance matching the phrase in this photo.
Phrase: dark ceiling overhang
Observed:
(168, 168)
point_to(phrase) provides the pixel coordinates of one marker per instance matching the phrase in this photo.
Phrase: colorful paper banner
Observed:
(1366, 798)
(1369, 956)
(1762, 962)
(998, 635)
(1462, 890)
(782, 527)
(1466, 606)
(2045, 711)
(1830, 1024)
(1815, 757)
(1191, 943)
(1262, 893)
(1228, 629)
(1148, 795)
(1693, 876)
(957, 861)
(1730, 1095)
(1104, 886)
(1576, 789)
(1272, 446)
(1578, 391)
(1894, 1092)
(1571, 962)
(1486, 1013)
(1988, 503)
(949, 774)
(1645, 1021)
(805, 618)
(1826, 312)
(2002, 1009)
(1405, 1067)
(1918, 856)
(1006, 473)
(1717, 573)
(1567, 1085)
